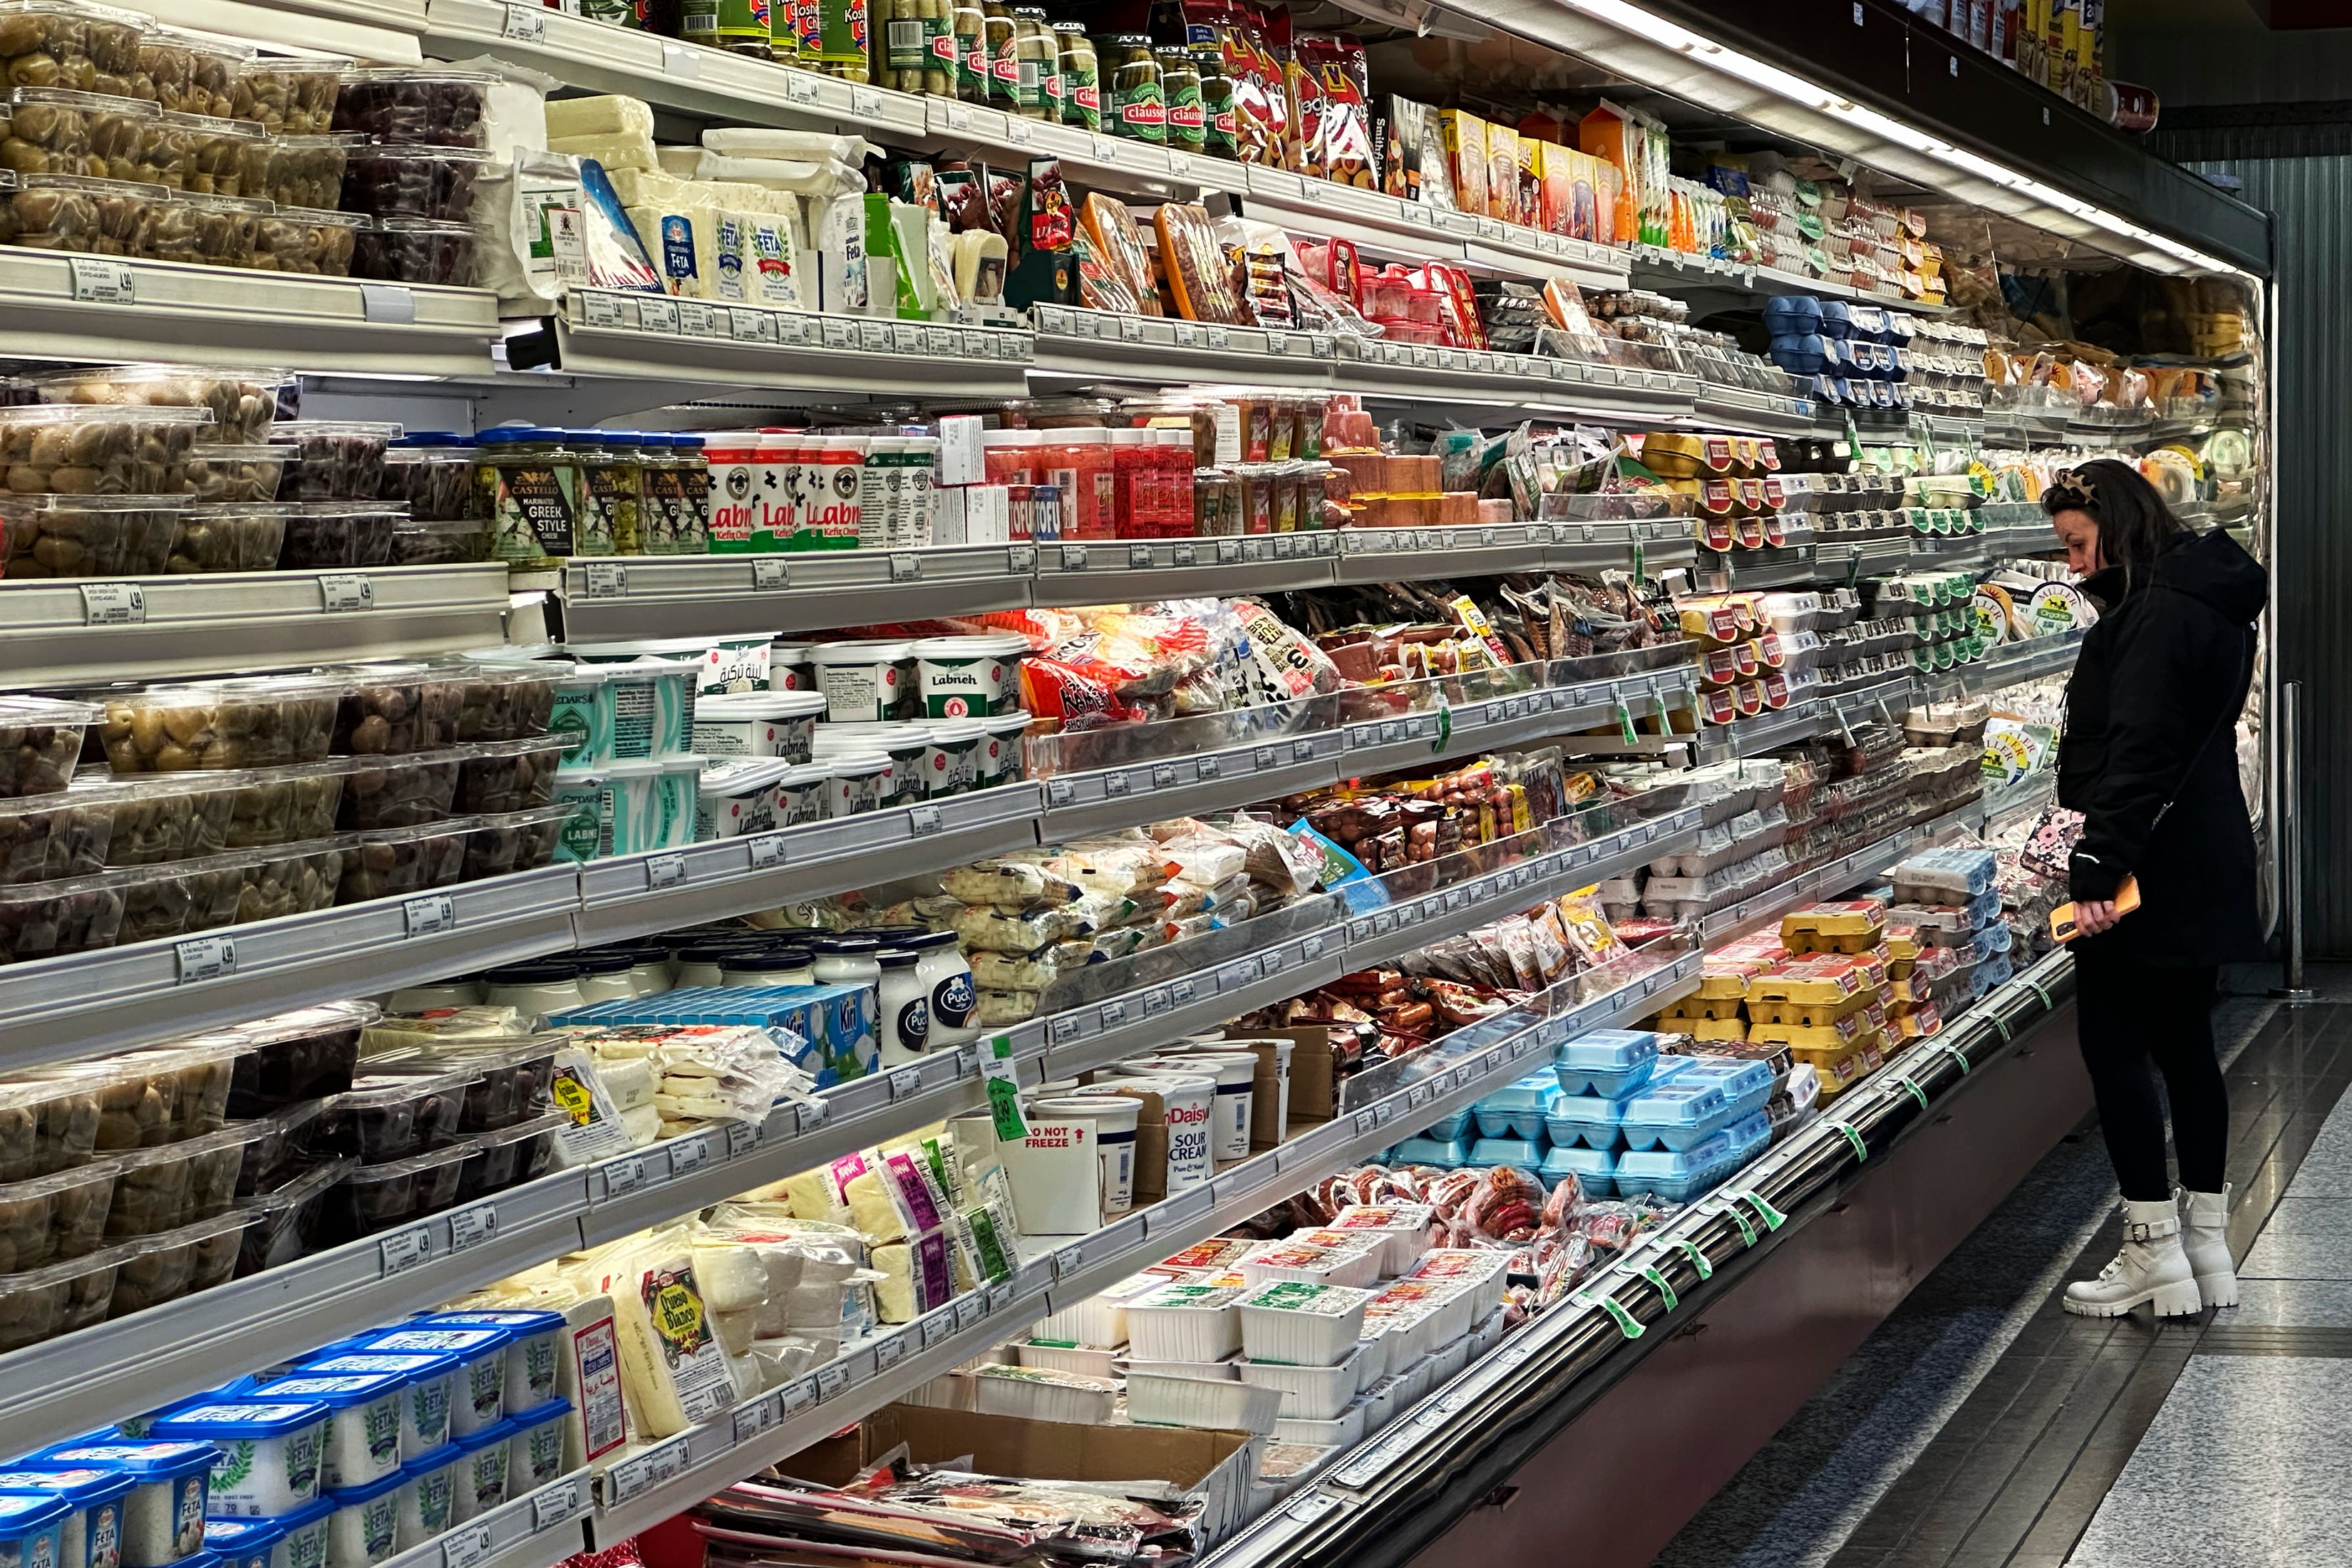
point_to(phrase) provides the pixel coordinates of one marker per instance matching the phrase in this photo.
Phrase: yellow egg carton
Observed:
(1852, 925)
(1902, 944)
(1701, 1006)
(1849, 1032)
(1819, 977)
(1733, 1028)
(1840, 1068)
(1813, 1015)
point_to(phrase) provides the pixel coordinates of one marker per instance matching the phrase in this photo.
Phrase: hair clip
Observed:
(2075, 480)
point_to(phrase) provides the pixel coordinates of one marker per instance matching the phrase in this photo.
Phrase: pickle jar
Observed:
(915, 45)
(1034, 60)
(1220, 138)
(1003, 58)
(968, 25)
(739, 27)
(1081, 79)
(612, 491)
(1138, 106)
(1180, 92)
(532, 481)
(674, 508)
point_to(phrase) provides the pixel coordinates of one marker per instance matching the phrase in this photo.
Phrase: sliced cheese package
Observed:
(609, 115)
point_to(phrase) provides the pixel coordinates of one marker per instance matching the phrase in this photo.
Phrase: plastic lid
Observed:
(851, 764)
(242, 1537)
(27, 1513)
(333, 1389)
(1133, 437)
(232, 1418)
(352, 1496)
(554, 1409)
(753, 960)
(971, 644)
(149, 1461)
(552, 971)
(955, 731)
(881, 651)
(845, 947)
(81, 1488)
(465, 1342)
(525, 1324)
(762, 704)
(415, 1366)
(440, 1458)
(897, 958)
(309, 1514)
(497, 1431)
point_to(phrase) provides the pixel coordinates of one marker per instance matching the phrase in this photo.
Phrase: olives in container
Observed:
(159, 904)
(43, 1303)
(514, 841)
(158, 1269)
(289, 96)
(188, 73)
(192, 1079)
(509, 775)
(41, 743)
(62, 42)
(323, 535)
(198, 154)
(256, 722)
(308, 241)
(299, 171)
(243, 537)
(390, 1115)
(57, 131)
(389, 180)
(238, 474)
(434, 106)
(435, 478)
(510, 1156)
(74, 213)
(242, 403)
(61, 451)
(270, 807)
(414, 250)
(37, 836)
(76, 914)
(287, 1219)
(53, 1218)
(149, 820)
(503, 702)
(395, 709)
(395, 862)
(70, 537)
(440, 544)
(212, 889)
(299, 879)
(397, 792)
(45, 1126)
(331, 460)
(290, 1058)
(208, 231)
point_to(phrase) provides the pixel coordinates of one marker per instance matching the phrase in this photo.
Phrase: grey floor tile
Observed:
(2275, 1255)
(2292, 1303)
(2243, 1467)
(2297, 1215)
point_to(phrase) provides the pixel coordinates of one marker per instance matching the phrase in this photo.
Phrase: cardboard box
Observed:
(1465, 156)
(1219, 1466)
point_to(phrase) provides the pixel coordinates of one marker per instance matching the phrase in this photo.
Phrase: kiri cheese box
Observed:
(829, 1031)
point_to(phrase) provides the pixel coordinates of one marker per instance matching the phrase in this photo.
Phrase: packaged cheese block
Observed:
(641, 1125)
(873, 1206)
(736, 1330)
(677, 241)
(679, 160)
(674, 1370)
(805, 146)
(610, 115)
(588, 1373)
(814, 1195)
(734, 1279)
(599, 1128)
(647, 187)
(630, 1081)
(894, 1293)
(617, 152)
(826, 178)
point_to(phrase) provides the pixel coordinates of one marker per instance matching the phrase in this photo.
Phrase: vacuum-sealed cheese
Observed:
(609, 115)
(630, 1081)
(674, 1370)
(613, 151)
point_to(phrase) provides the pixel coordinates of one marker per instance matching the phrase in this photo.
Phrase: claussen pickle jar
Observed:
(1179, 89)
(1138, 106)
(1080, 80)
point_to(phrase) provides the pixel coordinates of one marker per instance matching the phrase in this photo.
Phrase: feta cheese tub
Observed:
(302, 1535)
(163, 1515)
(92, 1537)
(243, 1542)
(479, 1398)
(428, 1382)
(535, 1451)
(530, 1351)
(428, 1495)
(363, 1435)
(269, 1452)
(365, 1529)
(481, 1483)
(32, 1530)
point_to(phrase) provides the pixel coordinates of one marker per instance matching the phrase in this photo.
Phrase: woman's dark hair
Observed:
(2134, 522)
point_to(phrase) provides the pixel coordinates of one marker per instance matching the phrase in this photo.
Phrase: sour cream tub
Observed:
(365, 1529)
(32, 1530)
(651, 699)
(92, 1534)
(584, 715)
(428, 1380)
(736, 798)
(1002, 756)
(675, 796)
(906, 748)
(865, 681)
(362, 1437)
(757, 724)
(972, 676)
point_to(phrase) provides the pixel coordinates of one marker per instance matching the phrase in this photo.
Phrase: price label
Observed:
(469, 1543)
(1060, 792)
(1207, 767)
(205, 958)
(1114, 1013)
(1063, 1029)
(655, 314)
(906, 1081)
(1228, 552)
(1117, 783)
(114, 605)
(767, 850)
(1069, 1262)
(526, 23)
(970, 1309)
(800, 87)
(97, 283)
(889, 1352)
(1233, 976)
(1020, 561)
(922, 821)
(1218, 338)
(1181, 992)
(935, 1328)
(743, 1138)
(688, 1154)
(1269, 963)
(1321, 346)
(752, 326)
(905, 568)
(667, 1462)
(1155, 1002)
(428, 916)
(1002, 1082)
(905, 337)
(836, 332)
(404, 1250)
(678, 60)
(624, 1175)
(1163, 776)
(555, 1503)
(831, 1379)
(606, 580)
(754, 1418)
(1187, 336)
(600, 309)
(865, 102)
(799, 1397)
(1263, 758)
(1074, 558)
(1311, 948)
(1302, 751)
(874, 337)
(344, 593)
(469, 1227)
(665, 871)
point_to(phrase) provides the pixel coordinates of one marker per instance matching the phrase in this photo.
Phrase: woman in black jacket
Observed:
(2149, 758)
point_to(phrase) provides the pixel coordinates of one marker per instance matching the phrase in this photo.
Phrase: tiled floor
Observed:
(1981, 1426)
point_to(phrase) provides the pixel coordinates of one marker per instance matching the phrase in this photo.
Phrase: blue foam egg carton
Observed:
(1745, 1085)
(1447, 1154)
(1595, 1170)
(1677, 1176)
(1611, 1063)
(1792, 313)
(1449, 1127)
(1486, 1152)
(1678, 1113)
(1516, 1109)
(1837, 319)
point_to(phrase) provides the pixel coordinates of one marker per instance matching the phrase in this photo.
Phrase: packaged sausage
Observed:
(1194, 265)
(1119, 248)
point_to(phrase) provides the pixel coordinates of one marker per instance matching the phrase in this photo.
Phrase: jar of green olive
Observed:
(1138, 106)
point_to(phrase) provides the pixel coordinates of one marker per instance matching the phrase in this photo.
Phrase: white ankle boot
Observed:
(2204, 1237)
(2151, 1268)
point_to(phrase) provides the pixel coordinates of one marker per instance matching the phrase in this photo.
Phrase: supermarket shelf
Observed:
(53, 1390)
(613, 332)
(69, 1007)
(1771, 566)
(1131, 570)
(1370, 554)
(1882, 701)
(1092, 159)
(1267, 767)
(1096, 345)
(536, 1530)
(1676, 272)
(2007, 665)
(632, 895)
(1752, 413)
(658, 1482)
(246, 622)
(1750, 737)
(1382, 369)
(1393, 227)
(1837, 559)
(1560, 1360)
(1827, 882)
(658, 595)
(1644, 547)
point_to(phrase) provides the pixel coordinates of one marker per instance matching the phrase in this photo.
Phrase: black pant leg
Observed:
(2182, 1045)
(2114, 1021)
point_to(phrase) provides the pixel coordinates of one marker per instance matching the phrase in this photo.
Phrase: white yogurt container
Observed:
(92, 1533)
(163, 1515)
(428, 1380)
(365, 1529)
(1186, 1096)
(1003, 755)
(362, 1437)
(757, 724)
(1056, 1172)
(855, 782)
(675, 796)
(479, 1397)
(481, 1471)
(588, 831)
(535, 1338)
(32, 1530)
(863, 681)
(535, 1448)
(1115, 1147)
(427, 1496)
(738, 797)
(631, 808)
(789, 668)
(1301, 1324)
(907, 746)
(802, 793)
(970, 675)
(955, 756)
(269, 1452)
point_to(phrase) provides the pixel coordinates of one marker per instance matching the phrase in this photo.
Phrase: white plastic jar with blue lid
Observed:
(303, 1543)
(535, 1451)
(428, 1495)
(479, 1398)
(362, 1435)
(93, 1533)
(482, 1471)
(243, 1542)
(537, 1339)
(365, 1529)
(429, 1383)
(164, 1516)
(32, 1530)
(269, 1452)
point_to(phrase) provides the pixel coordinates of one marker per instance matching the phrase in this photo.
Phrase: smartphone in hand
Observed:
(2061, 918)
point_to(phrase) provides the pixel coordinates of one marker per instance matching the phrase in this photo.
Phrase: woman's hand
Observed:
(2092, 918)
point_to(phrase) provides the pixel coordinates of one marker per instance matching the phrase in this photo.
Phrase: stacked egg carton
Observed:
(1946, 942)
(1852, 356)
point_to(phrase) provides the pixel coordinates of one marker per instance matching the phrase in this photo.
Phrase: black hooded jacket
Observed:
(2151, 715)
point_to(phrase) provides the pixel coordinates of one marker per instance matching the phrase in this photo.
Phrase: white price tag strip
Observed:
(205, 958)
(404, 1250)
(428, 916)
(466, 1545)
(470, 1227)
(114, 605)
